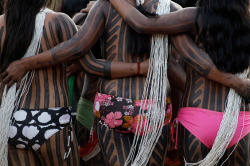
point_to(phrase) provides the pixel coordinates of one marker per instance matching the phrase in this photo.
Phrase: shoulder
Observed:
(52, 16)
(174, 6)
(100, 9)
(59, 20)
(103, 5)
(104, 2)
(79, 18)
(61, 24)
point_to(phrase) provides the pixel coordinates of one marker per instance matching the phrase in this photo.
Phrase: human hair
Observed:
(20, 18)
(1, 7)
(139, 44)
(70, 7)
(186, 3)
(224, 31)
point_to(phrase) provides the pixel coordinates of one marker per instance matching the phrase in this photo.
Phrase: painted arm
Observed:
(75, 48)
(173, 23)
(71, 49)
(176, 73)
(202, 63)
(111, 69)
(105, 68)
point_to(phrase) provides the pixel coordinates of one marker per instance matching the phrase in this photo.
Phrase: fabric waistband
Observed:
(204, 124)
(122, 114)
(84, 112)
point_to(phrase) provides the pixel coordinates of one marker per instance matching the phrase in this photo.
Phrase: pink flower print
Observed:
(125, 107)
(144, 103)
(107, 100)
(111, 119)
(103, 118)
(131, 111)
(169, 110)
(101, 97)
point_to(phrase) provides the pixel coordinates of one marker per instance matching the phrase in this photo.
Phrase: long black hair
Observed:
(20, 24)
(186, 3)
(139, 44)
(225, 32)
(71, 7)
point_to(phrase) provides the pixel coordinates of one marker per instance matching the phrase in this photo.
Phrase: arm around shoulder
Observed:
(181, 21)
(202, 63)
(111, 69)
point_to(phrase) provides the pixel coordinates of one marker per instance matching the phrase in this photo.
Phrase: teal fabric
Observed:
(71, 82)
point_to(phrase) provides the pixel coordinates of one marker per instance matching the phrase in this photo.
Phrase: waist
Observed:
(129, 87)
(122, 114)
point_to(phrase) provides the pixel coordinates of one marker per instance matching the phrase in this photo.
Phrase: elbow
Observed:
(78, 50)
(75, 47)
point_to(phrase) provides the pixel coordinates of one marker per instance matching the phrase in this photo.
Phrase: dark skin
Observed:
(49, 88)
(89, 90)
(181, 22)
(200, 91)
(63, 52)
(100, 22)
(130, 87)
(49, 83)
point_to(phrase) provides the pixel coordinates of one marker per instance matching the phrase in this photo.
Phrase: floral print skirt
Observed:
(121, 114)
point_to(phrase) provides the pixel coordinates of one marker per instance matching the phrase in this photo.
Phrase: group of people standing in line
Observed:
(111, 43)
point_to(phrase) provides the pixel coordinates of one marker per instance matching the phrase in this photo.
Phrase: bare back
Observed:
(204, 93)
(115, 43)
(49, 88)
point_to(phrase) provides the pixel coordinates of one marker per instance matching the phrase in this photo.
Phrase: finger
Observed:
(84, 10)
(10, 83)
(6, 80)
(4, 74)
(18, 84)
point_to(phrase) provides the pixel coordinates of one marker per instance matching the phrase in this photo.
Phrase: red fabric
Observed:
(88, 148)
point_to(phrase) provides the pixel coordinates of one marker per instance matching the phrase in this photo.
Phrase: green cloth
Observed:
(71, 82)
(84, 113)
